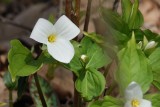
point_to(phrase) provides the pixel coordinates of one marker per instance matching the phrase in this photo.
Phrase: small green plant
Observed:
(135, 54)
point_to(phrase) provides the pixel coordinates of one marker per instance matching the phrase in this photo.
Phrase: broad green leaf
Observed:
(49, 95)
(108, 101)
(98, 60)
(156, 80)
(90, 84)
(95, 37)
(154, 60)
(21, 62)
(114, 20)
(8, 81)
(131, 15)
(133, 66)
(112, 102)
(138, 22)
(120, 38)
(97, 57)
(126, 9)
(88, 46)
(154, 98)
(96, 103)
(75, 65)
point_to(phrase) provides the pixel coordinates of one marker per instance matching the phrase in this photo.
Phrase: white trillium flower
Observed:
(150, 45)
(57, 37)
(134, 96)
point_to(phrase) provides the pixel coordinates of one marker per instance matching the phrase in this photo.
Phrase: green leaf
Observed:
(51, 18)
(154, 98)
(154, 60)
(138, 22)
(126, 9)
(110, 101)
(95, 37)
(133, 66)
(75, 65)
(21, 62)
(90, 84)
(97, 57)
(98, 60)
(120, 38)
(48, 93)
(114, 21)
(8, 81)
(131, 15)
(96, 104)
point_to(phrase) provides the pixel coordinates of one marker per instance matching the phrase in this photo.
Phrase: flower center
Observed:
(135, 103)
(52, 38)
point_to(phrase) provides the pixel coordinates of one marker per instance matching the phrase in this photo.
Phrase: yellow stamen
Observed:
(135, 103)
(52, 38)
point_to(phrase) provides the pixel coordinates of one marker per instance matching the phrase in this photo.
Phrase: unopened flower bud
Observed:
(84, 58)
(150, 45)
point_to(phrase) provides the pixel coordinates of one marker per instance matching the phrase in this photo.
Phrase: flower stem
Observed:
(68, 8)
(10, 99)
(39, 90)
(88, 12)
(74, 15)
(77, 97)
(77, 12)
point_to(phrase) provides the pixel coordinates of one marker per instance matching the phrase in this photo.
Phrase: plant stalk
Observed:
(10, 99)
(40, 90)
(88, 12)
(74, 15)
(77, 12)
(77, 97)
(68, 8)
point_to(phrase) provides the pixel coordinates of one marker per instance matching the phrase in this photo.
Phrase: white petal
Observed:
(66, 28)
(62, 50)
(128, 104)
(133, 91)
(145, 103)
(42, 30)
